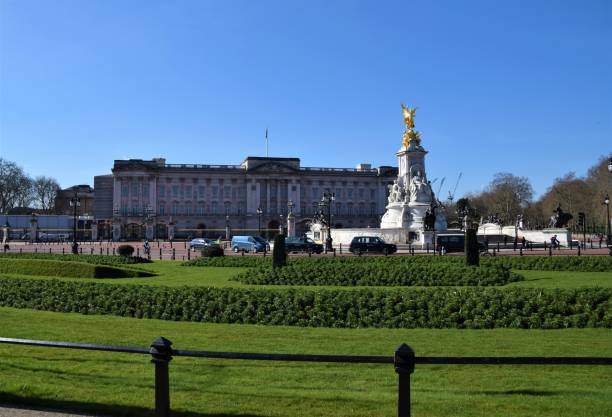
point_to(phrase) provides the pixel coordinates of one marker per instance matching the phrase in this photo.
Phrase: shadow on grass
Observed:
(86, 408)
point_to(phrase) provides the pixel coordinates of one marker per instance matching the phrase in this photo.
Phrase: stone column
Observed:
(149, 231)
(116, 229)
(290, 224)
(5, 233)
(94, 230)
(171, 230)
(34, 229)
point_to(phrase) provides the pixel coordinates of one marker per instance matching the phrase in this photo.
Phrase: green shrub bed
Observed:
(543, 263)
(553, 263)
(45, 267)
(403, 308)
(90, 259)
(377, 272)
(230, 261)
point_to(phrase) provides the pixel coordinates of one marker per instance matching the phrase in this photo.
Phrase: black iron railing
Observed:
(403, 360)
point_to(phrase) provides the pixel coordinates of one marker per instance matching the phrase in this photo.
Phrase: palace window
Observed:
(162, 191)
(227, 191)
(215, 207)
(361, 193)
(201, 191)
(372, 194)
(175, 208)
(188, 209)
(134, 189)
(350, 193)
(215, 191)
(124, 189)
(188, 191)
(162, 209)
(200, 209)
(175, 191)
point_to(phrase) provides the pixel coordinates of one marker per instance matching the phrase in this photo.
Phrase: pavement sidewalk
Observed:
(12, 411)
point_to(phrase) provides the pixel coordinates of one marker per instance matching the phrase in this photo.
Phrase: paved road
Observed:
(9, 411)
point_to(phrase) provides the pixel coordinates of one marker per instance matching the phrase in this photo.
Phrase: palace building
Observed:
(157, 200)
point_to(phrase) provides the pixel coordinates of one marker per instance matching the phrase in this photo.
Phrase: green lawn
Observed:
(122, 383)
(173, 274)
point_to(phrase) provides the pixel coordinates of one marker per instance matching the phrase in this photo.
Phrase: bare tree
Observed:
(15, 186)
(44, 190)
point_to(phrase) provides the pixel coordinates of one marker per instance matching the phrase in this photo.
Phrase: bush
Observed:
(412, 308)
(212, 251)
(42, 267)
(91, 259)
(125, 250)
(279, 254)
(554, 263)
(230, 261)
(378, 271)
(471, 248)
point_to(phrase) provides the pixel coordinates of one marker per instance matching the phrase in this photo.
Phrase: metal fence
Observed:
(403, 361)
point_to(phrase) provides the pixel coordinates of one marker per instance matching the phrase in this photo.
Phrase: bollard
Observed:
(161, 352)
(494, 252)
(35, 250)
(63, 251)
(100, 250)
(185, 245)
(550, 251)
(544, 245)
(160, 254)
(242, 252)
(498, 246)
(113, 251)
(310, 254)
(183, 258)
(341, 249)
(107, 251)
(578, 250)
(49, 250)
(334, 249)
(403, 362)
(81, 250)
(189, 254)
(521, 251)
(173, 254)
(427, 247)
(20, 250)
(138, 252)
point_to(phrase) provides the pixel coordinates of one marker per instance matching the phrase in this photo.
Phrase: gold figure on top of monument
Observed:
(408, 116)
(409, 134)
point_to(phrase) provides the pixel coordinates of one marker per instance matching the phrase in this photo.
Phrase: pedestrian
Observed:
(523, 242)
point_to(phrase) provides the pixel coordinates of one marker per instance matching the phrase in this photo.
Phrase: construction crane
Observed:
(451, 196)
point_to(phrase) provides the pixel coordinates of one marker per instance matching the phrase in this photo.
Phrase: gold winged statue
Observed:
(409, 134)
(408, 116)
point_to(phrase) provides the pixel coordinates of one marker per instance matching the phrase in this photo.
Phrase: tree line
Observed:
(508, 196)
(19, 190)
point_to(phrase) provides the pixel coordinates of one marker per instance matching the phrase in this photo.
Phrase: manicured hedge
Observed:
(230, 261)
(45, 267)
(377, 272)
(91, 259)
(553, 263)
(411, 308)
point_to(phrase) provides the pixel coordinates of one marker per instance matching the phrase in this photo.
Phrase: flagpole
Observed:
(266, 142)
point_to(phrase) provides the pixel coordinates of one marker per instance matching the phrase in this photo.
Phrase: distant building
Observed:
(86, 200)
(155, 199)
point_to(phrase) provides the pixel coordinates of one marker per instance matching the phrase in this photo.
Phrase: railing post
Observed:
(404, 366)
(162, 354)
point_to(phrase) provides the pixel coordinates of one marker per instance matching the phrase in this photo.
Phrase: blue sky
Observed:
(522, 86)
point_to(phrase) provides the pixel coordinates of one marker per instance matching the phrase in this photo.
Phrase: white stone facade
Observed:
(147, 196)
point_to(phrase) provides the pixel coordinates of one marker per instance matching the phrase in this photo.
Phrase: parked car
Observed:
(371, 244)
(201, 243)
(456, 243)
(249, 243)
(302, 244)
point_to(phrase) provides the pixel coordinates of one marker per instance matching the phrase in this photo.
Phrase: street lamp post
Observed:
(326, 201)
(290, 219)
(607, 203)
(227, 225)
(75, 202)
(259, 213)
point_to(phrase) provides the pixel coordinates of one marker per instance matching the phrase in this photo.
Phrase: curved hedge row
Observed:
(378, 272)
(44, 267)
(553, 263)
(544, 263)
(90, 259)
(414, 308)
